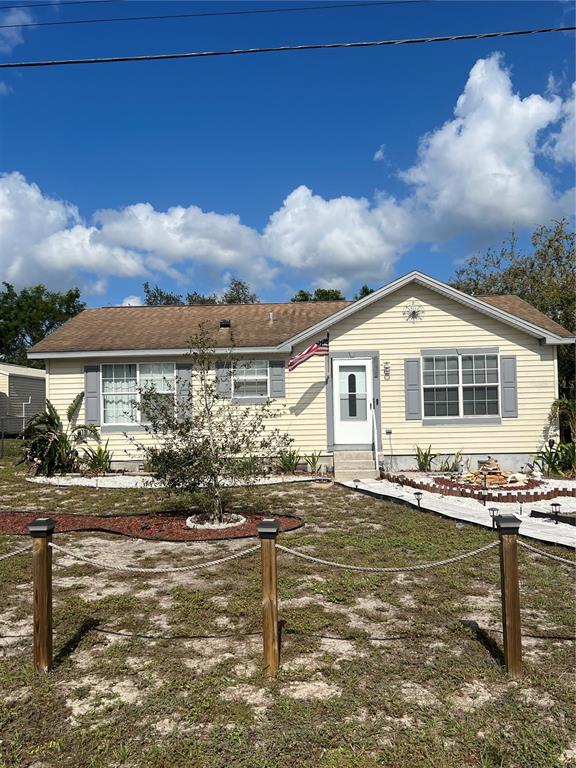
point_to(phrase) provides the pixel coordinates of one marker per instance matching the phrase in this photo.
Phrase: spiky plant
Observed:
(50, 447)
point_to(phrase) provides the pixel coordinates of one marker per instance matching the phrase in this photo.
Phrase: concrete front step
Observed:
(352, 465)
(342, 456)
(355, 463)
(346, 475)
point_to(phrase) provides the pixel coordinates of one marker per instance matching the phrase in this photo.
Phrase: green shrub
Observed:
(98, 459)
(51, 448)
(557, 459)
(424, 458)
(288, 461)
(313, 461)
(451, 464)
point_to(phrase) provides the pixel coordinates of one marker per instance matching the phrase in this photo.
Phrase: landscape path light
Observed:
(555, 509)
(418, 496)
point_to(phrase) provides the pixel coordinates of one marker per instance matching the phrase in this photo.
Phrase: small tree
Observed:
(207, 442)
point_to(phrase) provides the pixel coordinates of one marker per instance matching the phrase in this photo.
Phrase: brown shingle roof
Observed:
(525, 311)
(126, 328)
(118, 328)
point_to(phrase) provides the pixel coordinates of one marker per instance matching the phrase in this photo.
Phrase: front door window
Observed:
(353, 406)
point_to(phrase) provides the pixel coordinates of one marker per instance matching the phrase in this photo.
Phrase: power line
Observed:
(51, 5)
(283, 48)
(202, 14)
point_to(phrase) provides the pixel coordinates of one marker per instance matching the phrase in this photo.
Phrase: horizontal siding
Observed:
(446, 323)
(305, 416)
(303, 410)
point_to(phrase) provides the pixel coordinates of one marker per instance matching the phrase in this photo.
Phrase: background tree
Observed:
(28, 315)
(545, 277)
(363, 292)
(157, 297)
(237, 292)
(320, 294)
(208, 442)
(201, 298)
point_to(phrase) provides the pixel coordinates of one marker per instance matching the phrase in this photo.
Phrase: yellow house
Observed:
(415, 363)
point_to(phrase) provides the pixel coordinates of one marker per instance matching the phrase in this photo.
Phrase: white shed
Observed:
(22, 394)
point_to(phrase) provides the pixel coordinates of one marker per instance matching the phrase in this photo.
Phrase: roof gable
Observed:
(511, 310)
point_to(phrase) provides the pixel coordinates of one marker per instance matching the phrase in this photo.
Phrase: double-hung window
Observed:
(460, 385)
(161, 377)
(480, 385)
(120, 393)
(121, 384)
(250, 379)
(441, 386)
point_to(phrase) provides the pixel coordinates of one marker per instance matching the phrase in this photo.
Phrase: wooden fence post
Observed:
(41, 531)
(268, 532)
(508, 526)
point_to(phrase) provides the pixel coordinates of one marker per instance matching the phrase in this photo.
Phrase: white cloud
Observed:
(336, 239)
(561, 145)
(10, 38)
(5, 89)
(380, 153)
(132, 301)
(478, 171)
(43, 239)
(182, 236)
(475, 175)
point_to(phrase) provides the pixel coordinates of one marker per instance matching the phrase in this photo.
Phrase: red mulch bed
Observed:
(160, 527)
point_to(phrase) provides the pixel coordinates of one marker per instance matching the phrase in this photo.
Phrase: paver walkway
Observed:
(472, 511)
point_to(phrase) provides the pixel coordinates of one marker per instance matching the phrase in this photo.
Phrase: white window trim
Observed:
(460, 386)
(234, 377)
(138, 419)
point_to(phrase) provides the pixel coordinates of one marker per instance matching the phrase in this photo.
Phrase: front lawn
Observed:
(394, 670)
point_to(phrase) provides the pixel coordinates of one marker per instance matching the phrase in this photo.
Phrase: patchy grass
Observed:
(394, 670)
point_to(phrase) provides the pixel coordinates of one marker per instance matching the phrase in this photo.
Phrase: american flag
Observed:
(319, 348)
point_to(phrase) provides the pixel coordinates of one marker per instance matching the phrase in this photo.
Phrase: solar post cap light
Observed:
(493, 512)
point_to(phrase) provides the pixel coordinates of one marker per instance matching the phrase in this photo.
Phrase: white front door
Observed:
(352, 397)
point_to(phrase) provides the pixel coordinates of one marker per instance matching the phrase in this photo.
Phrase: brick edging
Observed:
(468, 492)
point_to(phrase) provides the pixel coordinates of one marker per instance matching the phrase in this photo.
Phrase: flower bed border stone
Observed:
(526, 493)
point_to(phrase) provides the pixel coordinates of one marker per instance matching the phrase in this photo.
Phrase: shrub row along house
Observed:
(414, 363)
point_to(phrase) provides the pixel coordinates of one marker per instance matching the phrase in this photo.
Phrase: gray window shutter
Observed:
(277, 378)
(508, 387)
(183, 384)
(412, 398)
(223, 379)
(92, 394)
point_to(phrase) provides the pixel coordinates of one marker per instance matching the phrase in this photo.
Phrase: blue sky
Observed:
(288, 170)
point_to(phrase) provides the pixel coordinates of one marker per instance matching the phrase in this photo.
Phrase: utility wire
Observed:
(210, 13)
(283, 48)
(51, 5)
